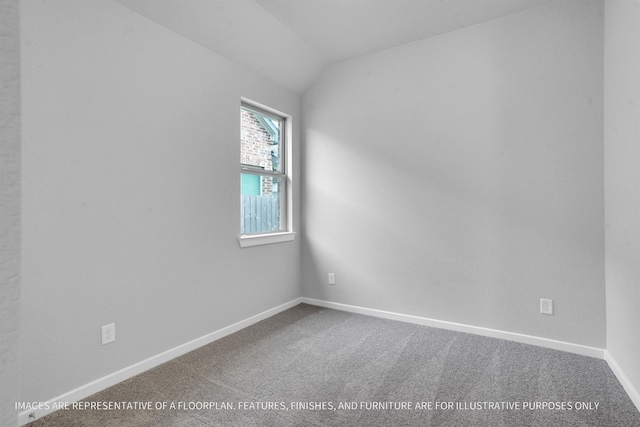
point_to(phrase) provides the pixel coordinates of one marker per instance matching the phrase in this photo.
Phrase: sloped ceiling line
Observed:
(307, 36)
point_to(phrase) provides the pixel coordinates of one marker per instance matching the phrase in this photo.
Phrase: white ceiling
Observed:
(292, 41)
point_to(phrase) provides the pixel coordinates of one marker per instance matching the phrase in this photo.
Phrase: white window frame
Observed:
(286, 195)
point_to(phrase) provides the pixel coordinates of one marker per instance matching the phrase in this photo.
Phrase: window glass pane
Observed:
(260, 136)
(260, 204)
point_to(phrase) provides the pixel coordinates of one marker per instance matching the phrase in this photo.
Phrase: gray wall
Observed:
(622, 184)
(460, 177)
(130, 208)
(9, 210)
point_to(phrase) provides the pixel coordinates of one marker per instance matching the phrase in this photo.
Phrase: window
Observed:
(264, 177)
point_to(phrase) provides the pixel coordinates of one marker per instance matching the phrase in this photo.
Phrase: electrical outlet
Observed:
(332, 278)
(108, 333)
(546, 306)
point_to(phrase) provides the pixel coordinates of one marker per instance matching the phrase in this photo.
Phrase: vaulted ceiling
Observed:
(292, 41)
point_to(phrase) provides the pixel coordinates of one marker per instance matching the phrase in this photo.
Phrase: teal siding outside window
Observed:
(250, 184)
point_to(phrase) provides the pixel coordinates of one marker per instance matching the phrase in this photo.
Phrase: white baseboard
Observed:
(634, 395)
(137, 368)
(459, 327)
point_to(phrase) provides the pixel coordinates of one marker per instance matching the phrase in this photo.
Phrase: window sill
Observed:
(265, 239)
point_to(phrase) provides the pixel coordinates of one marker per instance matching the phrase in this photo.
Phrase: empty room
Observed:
(320, 213)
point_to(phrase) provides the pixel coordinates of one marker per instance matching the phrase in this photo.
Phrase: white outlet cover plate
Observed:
(108, 333)
(546, 306)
